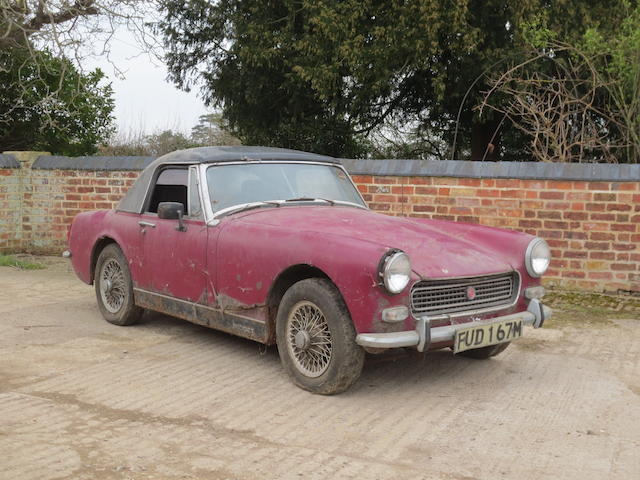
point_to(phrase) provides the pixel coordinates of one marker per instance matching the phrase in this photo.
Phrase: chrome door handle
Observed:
(146, 224)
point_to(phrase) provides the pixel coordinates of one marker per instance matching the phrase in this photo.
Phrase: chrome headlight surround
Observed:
(537, 257)
(395, 271)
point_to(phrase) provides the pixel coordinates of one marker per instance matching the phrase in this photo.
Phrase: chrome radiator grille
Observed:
(442, 297)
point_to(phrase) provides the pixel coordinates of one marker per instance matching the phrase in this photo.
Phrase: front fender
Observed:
(251, 256)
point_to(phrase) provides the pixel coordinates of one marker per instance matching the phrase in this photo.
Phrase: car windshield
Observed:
(237, 184)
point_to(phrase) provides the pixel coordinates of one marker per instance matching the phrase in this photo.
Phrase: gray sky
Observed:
(145, 101)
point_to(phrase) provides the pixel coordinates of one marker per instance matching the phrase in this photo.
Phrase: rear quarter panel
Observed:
(88, 228)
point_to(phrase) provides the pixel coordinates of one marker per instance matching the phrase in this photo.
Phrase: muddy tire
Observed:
(114, 288)
(316, 339)
(485, 352)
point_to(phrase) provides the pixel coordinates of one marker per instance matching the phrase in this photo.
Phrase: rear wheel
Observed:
(114, 288)
(316, 338)
(485, 352)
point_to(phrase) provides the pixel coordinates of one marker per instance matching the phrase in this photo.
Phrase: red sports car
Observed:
(278, 246)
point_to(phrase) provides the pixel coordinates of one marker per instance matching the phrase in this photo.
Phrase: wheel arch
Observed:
(100, 244)
(285, 279)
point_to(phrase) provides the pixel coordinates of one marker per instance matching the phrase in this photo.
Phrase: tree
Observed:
(43, 94)
(324, 75)
(48, 105)
(168, 141)
(288, 73)
(212, 129)
(152, 145)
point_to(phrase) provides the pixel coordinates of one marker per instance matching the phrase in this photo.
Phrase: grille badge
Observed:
(471, 293)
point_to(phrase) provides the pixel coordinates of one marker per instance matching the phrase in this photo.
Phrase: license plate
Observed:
(480, 336)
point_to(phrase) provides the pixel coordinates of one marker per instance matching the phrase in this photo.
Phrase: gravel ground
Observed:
(83, 399)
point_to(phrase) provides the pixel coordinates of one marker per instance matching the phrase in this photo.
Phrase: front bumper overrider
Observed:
(423, 335)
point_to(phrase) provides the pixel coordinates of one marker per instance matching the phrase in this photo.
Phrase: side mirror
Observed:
(172, 211)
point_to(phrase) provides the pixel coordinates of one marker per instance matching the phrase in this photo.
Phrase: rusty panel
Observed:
(242, 326)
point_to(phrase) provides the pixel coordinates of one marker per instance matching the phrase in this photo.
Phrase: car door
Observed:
(131, 242)
(174, 261)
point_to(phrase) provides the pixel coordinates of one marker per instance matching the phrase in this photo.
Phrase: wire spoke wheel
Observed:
(316, 338)
(113, 288)
(309, 339)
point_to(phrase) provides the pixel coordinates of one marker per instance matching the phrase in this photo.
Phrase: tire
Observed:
(114, 288)
(485, 352)
(321, 357)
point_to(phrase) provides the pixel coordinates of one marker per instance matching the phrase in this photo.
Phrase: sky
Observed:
(144, 100)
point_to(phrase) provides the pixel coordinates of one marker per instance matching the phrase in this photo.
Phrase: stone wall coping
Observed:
(97, 163)
(8, 161)
(608, 172)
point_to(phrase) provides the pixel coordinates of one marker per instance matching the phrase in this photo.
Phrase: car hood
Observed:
(437, 249)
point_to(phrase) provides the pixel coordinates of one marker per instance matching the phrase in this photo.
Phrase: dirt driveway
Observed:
(82, 399)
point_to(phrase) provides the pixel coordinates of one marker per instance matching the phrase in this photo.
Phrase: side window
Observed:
(171, 186)
(195, 208)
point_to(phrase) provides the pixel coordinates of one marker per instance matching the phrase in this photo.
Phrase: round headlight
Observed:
(396, 271)
(537, 257)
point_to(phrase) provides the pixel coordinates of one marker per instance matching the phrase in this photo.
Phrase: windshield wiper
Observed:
(310, 199)
(253, 205)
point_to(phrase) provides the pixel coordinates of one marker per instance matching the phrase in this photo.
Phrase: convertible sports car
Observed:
(278, 246)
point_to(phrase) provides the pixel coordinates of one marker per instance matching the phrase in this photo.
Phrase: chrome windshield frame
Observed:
(213, 217)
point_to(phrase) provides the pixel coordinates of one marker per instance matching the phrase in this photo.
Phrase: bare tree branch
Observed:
(567, 112)
(74, 29)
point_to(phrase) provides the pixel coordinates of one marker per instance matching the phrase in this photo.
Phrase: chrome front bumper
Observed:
(423, 335)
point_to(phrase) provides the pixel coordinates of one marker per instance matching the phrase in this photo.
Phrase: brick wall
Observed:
(56, 196)
(590, 215)
(10, 205)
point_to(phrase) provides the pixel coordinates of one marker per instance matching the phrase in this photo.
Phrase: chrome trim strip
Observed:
(462, 277)
(204, 195)
(280, 203)
(454, 285)
(193, 171)
(354, 186)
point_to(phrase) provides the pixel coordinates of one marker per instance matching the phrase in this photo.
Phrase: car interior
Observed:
(171, 186)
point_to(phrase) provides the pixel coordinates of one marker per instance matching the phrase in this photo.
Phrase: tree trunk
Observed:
(485, 141)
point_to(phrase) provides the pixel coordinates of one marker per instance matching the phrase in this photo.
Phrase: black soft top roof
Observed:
(233, 154)
(134, 198)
